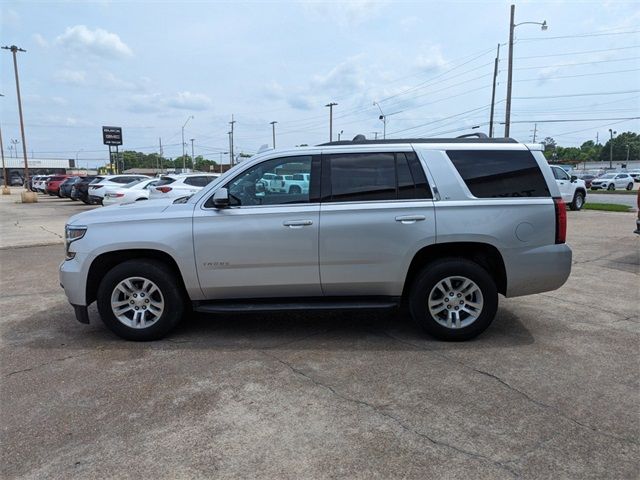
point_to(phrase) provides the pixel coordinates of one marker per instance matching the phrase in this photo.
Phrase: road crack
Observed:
(539, 403)
(35, 367)
(397, 421)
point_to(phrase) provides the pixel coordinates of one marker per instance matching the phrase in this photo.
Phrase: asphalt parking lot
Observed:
(551, 390)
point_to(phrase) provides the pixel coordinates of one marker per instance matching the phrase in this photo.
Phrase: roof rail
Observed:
(476, 137)
(474, 134)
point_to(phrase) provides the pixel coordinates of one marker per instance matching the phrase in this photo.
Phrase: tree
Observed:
(620, 148)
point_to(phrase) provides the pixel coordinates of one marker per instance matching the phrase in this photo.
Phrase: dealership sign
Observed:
(112, 135)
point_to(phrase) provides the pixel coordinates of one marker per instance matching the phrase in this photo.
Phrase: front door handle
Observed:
(297, 223)
(406, 219)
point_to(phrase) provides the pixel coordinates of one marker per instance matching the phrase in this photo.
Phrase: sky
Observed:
(148, 66)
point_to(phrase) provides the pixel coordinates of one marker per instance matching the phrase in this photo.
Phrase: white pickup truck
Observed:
(296, 183)
(572, 189)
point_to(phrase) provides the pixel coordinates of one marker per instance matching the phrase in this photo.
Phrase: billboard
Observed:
(112, 135)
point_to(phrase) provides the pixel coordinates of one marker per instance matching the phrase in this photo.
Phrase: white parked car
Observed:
(98, 188)
(612, 181)
(131, 192)
(635, 174)
(572, 189)
(181, 185)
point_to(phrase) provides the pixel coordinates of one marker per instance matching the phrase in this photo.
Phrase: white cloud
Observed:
(156, 102)
(346, 13)
(98, 42)
(346, 77)
(432, 61)
(302, 102)
(40, 40)
(70, 77)
(189, 101)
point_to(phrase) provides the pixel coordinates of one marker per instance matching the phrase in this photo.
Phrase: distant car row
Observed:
(114, 189)
(610, 181)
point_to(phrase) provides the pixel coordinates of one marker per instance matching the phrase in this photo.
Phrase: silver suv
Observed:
(441, 225)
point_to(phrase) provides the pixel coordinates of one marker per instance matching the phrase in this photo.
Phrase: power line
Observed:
(532, 39)
(577, 95)
(582, 52)
(563, 120)
(580, 63)
(554, 77)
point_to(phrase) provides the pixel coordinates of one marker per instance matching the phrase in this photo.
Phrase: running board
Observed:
(294, 304)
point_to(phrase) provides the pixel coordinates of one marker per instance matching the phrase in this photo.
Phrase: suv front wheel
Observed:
(140, 300)
(454, 299)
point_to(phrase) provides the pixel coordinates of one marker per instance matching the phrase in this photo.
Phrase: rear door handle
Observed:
(297, 223)
(406, 219)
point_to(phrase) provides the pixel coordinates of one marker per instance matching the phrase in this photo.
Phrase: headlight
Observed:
(71, 234)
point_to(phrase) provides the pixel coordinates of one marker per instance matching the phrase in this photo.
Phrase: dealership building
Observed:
(40, 166)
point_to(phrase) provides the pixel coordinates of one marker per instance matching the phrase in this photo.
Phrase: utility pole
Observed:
(273, 128)
(27, 196)
(230, 144)
(5, 189)
(627, 153)
(331, 105)
(231, 156)
(184, 144)
(597, 138)
(507, 118)
(193, 158)
(160, 158)
(535, 130)
(376, 135)
(493, 91)
(612, 133)
(512, 27)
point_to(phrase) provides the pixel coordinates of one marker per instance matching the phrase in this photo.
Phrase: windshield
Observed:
(608, 175)
(165, 181)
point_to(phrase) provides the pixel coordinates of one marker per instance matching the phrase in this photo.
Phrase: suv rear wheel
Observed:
(140, 300)
(454, 299)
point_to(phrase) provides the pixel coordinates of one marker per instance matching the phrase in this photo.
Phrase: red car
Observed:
(52, 187)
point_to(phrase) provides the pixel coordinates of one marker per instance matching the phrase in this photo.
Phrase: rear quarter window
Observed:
(500, 173)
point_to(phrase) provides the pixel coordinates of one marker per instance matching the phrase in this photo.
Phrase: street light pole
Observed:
(512, 27)
(273, 129)
(27, 196)
(193, 158)
(493, 91)
(331, 105)
(612, 133)
(183, 144)
(232, 123)
(5, 189)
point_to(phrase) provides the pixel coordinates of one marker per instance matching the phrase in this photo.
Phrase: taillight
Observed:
(118, 195)
(561, 220)
(164, 189)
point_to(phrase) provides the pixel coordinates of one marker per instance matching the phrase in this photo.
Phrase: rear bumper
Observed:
(537, 270)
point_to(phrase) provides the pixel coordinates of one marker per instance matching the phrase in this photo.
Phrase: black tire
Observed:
(294, 189)
(630, 186)
(436, 272)
(578, 201)
(611, 187)
(165, 280)
(73, 199)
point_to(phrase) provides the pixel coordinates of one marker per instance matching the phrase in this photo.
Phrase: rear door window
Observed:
(201, 181)
(500, 173)
(362, 177)
(165, 181)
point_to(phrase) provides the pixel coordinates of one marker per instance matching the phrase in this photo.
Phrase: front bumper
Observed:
(73, 278)
(95, 199)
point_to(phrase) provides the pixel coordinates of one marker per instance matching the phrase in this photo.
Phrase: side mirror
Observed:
(573, 178)
(260, 187)
(221, 198)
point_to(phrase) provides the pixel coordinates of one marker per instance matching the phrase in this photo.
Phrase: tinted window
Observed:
(198, 181)
(499, 173)
(256, 186)
(362, 177)
(374, 176)
(165, 181)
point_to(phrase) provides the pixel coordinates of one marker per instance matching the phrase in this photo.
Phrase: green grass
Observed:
(606, 207)
(612, 192)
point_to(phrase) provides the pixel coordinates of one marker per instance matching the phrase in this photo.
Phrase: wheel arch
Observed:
(106, 261)
(484, 254)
